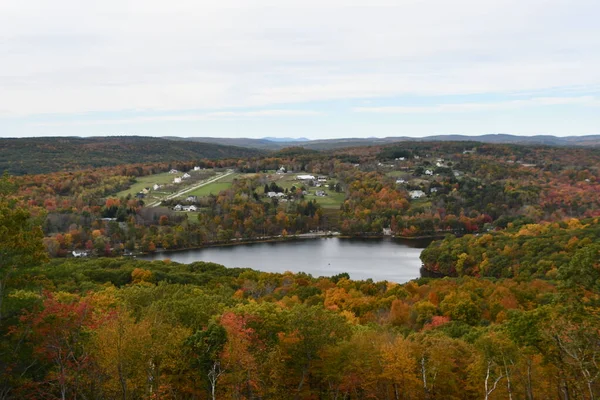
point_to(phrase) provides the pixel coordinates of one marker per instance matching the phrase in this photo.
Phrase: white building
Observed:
(305, 177)
(173, 171)
(429, 172)
(416, 194)
(186, 176)
(177, 180)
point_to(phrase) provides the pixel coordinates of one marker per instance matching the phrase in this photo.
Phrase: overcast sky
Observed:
(311, 68)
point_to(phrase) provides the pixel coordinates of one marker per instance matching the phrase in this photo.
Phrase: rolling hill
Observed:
(47, 154)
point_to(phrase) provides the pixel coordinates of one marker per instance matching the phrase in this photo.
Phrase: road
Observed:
(191, 188)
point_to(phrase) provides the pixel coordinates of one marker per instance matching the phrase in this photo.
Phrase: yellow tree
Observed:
(399, 367)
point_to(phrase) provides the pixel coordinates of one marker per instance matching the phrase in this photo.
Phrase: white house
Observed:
(305, 177)
(186, 176)
(322, 179)
(400, 181)
(275, 194)
(433, 190)
(156, 186)
(429, 172)
(416, 194)
(189, 208)
(320, 193)
(191, 199)
(178, 207)
(177, 180)
(196, 168)
(173, 171)
(400, 158)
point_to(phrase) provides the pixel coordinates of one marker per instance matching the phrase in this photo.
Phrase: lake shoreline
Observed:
(378, 258)
(275, 239)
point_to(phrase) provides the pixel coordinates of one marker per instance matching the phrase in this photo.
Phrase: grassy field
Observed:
(216, 187)
(211, 188)
(397, 174)
(332, 200)
(147, 181)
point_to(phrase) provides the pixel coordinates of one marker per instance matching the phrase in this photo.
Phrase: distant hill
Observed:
(328, 144)
(47, 154)
(286, 139)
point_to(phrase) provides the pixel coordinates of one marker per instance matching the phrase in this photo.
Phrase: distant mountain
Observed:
(286, 139)
(328, 144)
(263, 144)
(47, 154)
(589, 140)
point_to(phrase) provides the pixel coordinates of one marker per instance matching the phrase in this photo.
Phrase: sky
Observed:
(299, 68)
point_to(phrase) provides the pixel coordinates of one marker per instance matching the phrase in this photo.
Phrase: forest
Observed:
(508, 306)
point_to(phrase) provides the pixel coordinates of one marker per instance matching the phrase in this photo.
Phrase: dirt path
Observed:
(191, 188)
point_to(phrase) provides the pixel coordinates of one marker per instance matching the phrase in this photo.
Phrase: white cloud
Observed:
(475, 107)
(210, 116)
(69, 56)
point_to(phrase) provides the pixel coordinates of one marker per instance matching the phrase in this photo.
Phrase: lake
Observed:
(388, 259)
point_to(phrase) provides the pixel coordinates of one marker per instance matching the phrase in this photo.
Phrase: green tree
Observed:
(207, 345)
(21, 238)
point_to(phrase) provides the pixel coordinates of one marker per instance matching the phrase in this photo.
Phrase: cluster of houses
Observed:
(191, 207)
(179, 207)
(317, 181)
(179, 179)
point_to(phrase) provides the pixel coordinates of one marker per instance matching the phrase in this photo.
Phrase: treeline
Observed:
(51, 154)
(123, 328)
(114, 328)
(238, 213)
(524, 251)
(479, 188)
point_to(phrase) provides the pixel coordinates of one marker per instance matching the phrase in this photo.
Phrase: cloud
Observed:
(476, 107)
(209, 116)
(70, 57)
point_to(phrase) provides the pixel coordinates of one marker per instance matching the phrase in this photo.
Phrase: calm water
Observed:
(378, 259)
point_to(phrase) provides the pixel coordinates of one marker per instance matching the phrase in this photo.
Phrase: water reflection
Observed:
(379, 259)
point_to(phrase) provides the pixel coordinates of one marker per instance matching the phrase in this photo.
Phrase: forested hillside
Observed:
(511, 312)
(50, 154)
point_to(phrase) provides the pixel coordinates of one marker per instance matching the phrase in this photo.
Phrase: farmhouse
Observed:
(186, 176)
(305, 177)
(177, 180)
(416, 194)
(173, 171)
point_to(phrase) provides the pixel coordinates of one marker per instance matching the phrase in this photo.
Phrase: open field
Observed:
(211, 188)
(332, 200)
(147, 181)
